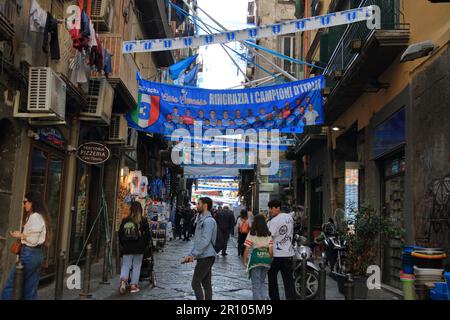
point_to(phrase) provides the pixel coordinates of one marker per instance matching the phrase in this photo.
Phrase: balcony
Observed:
(361, 56)
(310, 140)
(7, 14)
(123, 76)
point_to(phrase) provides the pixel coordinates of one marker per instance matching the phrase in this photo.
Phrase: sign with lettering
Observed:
(93, 153)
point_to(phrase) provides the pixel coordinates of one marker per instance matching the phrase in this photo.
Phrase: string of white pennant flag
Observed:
(371, 14)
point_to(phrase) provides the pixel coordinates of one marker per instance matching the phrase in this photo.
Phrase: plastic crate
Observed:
(439, 292)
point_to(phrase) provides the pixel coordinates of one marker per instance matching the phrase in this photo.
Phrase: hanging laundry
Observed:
(38, 17)
(51, 26)
(79, 69)
(93, 35)
(81, 37)
(108, 64)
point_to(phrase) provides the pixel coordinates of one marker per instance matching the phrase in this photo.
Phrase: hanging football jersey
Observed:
(135, 179)
(143, 187)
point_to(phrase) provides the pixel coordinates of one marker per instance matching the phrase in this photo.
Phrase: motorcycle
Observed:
(335, 250)
(303, 252)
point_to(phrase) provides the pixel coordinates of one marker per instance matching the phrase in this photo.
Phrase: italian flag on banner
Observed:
(147, 111)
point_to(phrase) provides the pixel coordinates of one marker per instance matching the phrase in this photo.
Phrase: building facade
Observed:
(38, 151)
(384, 142)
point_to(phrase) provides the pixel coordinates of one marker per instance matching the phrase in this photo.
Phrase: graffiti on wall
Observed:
(434, 218)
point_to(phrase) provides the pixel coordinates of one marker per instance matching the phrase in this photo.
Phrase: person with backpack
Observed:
(243, 228)
(31, 242)
(134, 237)
(281, 226)
(204, 250)
(258, 256)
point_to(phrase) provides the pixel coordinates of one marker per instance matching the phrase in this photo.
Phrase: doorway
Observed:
(316, 218)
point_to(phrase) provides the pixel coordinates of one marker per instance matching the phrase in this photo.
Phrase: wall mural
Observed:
(433, 219)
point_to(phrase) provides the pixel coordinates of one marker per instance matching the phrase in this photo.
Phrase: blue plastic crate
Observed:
(439, 292)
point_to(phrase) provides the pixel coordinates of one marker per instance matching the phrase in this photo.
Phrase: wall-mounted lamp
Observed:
(337, 128)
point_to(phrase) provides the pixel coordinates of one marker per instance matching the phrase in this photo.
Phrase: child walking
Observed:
(258, 256)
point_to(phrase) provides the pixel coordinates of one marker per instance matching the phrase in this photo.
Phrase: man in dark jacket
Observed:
(225, 221)
(187, 217)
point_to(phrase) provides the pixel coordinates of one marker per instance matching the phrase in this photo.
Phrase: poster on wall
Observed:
(284, 174)
(289, 107)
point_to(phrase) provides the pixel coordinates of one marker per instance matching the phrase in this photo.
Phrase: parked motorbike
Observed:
(303, 252)
(335, 249)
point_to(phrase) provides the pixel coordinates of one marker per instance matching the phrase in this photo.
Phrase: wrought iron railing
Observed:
(344, 54)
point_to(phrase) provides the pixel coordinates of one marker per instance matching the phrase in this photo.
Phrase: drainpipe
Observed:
(330, 172)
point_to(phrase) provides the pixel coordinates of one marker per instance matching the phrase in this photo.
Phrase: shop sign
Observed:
(51, 136)
(93, 153)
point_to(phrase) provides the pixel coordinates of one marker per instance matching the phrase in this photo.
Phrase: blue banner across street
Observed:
(289, 107)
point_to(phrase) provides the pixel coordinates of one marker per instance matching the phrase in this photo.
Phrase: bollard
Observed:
(87, 274)
(322, 282)
(18, 282)
(303, 278)
(349, 291)
(60, 276)
(105, 264)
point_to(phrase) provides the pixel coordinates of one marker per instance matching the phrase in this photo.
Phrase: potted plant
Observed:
(363, 243)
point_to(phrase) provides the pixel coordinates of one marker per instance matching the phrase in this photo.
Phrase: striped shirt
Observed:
(258, 242)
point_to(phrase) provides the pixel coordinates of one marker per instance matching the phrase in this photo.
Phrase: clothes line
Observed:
(371, 14)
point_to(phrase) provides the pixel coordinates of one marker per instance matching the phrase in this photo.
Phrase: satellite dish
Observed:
(417, 50)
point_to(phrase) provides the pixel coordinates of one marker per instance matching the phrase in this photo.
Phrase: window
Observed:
(287, 47)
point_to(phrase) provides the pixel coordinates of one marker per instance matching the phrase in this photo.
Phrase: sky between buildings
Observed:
(219, 72)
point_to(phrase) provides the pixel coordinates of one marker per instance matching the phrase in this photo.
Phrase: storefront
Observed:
(86, 226)
(388, 151)
(46, 176)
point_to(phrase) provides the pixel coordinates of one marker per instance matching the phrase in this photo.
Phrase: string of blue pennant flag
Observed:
(369, 14)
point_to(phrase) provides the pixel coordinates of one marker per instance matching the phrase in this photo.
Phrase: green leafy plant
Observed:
(363, 237)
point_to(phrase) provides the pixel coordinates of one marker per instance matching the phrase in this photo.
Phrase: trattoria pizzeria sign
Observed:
(93, 153)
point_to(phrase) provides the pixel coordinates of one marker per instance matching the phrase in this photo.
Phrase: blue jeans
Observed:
(31, 259)
(259, 287)
(128, 261)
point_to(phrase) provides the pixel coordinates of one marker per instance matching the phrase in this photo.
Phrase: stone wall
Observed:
(429, 152)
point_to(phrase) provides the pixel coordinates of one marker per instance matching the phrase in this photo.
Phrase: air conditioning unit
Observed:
(100, 102)
(102, 15)
(46, 93)
(118, 130)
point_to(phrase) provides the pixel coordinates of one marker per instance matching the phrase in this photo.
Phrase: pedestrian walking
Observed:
(34, 237)
(134, 237)
(187, 222)
(243, 228)
(258, 256)
(178, 226)
(281, 226)
(203, 250)
(225, 222)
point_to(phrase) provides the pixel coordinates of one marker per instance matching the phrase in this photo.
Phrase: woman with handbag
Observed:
(258, 256)
(34, 236)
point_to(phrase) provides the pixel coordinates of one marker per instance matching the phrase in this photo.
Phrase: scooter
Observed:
(303, 252)
(335, 250)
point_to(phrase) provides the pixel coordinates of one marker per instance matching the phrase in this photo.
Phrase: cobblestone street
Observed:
(173, 280)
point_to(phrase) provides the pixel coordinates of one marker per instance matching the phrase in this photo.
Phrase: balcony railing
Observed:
(7, 19)
(123, 66)
(344, 53)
